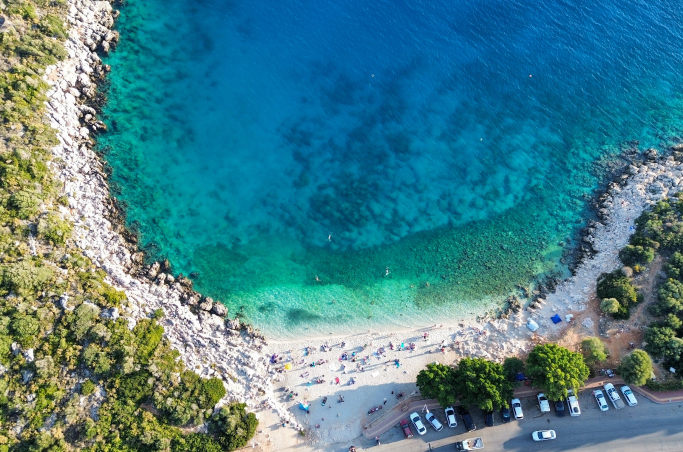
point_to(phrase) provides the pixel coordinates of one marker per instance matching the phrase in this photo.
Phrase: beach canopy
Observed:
(532, 325)
(556, 319)
(303, 406)
(520, 376)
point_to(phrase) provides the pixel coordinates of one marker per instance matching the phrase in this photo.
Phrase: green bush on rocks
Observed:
(618, 286)
(632, 255)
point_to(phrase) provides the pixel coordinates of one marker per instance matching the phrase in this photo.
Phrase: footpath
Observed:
(391, 417)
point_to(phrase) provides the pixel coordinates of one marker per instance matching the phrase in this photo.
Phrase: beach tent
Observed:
(303, 406)
(532, 325)
(520, 376)
(556, 319)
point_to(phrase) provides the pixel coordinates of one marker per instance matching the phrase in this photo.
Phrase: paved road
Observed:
(648, 427)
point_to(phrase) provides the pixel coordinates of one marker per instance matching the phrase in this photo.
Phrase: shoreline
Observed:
(213, 348)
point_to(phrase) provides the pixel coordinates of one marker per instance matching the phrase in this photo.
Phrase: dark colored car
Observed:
(505, 415)
(489, 419)
(467, 419)
(559, 408)
(406, 428)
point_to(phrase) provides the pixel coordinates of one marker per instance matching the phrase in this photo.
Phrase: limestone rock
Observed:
(206, 304)
(219, 310)
(153, 270)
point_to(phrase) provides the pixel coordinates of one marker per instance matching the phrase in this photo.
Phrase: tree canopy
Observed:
(556, 369)
(636, 368)
(593, 350)
(437, 381)
(512, 366)
(482, 383)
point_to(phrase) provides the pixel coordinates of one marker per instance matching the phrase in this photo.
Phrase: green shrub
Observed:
(674, 267)
(233, 427)
(53, 26)
(25, 203)
(87, 387)
(25, 328)
(53, 229)
(631, 255)
(609, 305)
(24, 277)
(113, 298)
(669, 300)
(593, 350)
(616, 285)
(636, 368)
(158, 314)
(148, 336)
(668, 385)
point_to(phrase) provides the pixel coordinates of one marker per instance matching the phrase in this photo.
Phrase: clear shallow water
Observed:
(291, 153)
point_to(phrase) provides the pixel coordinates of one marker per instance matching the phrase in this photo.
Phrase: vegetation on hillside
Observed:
(73, 374)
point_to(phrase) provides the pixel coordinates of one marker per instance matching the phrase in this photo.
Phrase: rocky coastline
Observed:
(196, 326)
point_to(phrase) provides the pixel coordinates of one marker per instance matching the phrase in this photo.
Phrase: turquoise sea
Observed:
(326, 166)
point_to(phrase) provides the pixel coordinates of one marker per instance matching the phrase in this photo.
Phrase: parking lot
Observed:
(648, 426)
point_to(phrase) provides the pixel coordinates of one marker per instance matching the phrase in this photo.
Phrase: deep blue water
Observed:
(317, 163)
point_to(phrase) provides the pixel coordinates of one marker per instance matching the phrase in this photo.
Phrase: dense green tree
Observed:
(437, 381)
(670, 298)
(83, 318)
(593, 350)
(196, 442)
(674, 267)
(556, 369)
(610, 305)
(483, 384)
(512, 366)
(148, 334)
(232, 426)
(631, 255)
(617, 285)
(25, 327)
(657, 340)
(636, 368)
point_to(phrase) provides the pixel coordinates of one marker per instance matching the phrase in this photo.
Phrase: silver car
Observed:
(629, 396)
(434, 421)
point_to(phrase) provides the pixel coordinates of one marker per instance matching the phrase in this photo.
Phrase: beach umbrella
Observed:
(288, 366)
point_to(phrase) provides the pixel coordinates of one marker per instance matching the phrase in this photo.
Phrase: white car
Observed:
(517, 409)
(417, 422)
(543, 403)
(600, 398)
(434, 421)
(543, 435)
(629, 396)
(450, 417)
(573, 403)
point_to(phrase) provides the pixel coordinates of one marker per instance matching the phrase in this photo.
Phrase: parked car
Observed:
(467, 419)
(600, 398)
(406, 428)
(614, 396)
(543, 403)
(573, 403)
(417, 422)
(543, 435)
(450, 417)
(629, 396)
(517, 409)
(559, 408)
(505, 415)
(489, 419)
(434, 421)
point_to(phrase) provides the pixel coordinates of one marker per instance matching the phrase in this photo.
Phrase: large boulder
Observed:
(153, 270)
(219, 310)
(206, 304)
